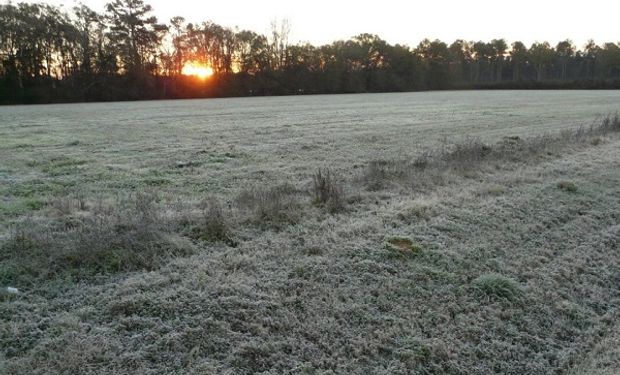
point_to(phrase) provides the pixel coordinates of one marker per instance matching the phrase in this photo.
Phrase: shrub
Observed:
(497, 287)
(328, 190)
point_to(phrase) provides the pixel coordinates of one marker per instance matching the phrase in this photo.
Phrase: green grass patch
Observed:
(59, 166)
(567, 186)
(156, 181)
(497, 287)
(21, 206)
(38, 188)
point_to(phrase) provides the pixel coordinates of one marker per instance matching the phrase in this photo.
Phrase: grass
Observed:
(473, 155)
(126, 234)
(497, 287)
(328, 190)
(402, 245)
(241, 267)
(274, 207)
(213, 225)
(567, 186)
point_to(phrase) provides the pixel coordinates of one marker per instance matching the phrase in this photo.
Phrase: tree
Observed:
(253, 52)
(86, 21)
(541, 55)
(179, 44)
(280, 32)
(610, 61)
(518, 56)
(482, 53)
(565, 51)
(590, 52)
(460, 58)
(436, 56)
(48, 55)
(405, 68)
(133, 32)
(498, 48)
(10, 31)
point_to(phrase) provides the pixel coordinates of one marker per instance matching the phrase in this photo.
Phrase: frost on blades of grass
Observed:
(125, 234)
(514, 275)
(328, 190)
(275, 206)
(212, 225)
(471, 156)
(497, 287)
(402, 245)
(567, 186)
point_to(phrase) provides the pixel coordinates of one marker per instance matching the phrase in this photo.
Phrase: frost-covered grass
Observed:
(209, 244)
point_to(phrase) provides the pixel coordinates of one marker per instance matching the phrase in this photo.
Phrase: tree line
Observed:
(124, 53)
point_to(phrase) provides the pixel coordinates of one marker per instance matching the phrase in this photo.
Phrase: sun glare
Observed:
(197, 70)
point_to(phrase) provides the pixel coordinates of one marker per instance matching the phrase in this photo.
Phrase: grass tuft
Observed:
(497, 287)
(402, 244)
(567, 186)
(214, 227)
(379, 173)
(328, 191)
(271, 207)
(465, 154)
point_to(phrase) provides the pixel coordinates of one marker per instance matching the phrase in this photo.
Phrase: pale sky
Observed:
(405, 22)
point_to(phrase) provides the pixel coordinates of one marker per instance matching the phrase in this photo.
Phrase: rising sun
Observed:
(197, 70)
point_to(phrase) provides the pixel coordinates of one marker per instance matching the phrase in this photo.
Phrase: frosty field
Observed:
(466, 233)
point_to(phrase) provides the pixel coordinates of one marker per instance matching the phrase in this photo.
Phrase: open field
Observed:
(473, 232)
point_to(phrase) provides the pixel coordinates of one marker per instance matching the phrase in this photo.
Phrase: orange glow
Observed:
(197, 70)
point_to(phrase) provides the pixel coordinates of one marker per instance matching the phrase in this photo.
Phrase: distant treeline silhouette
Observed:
(49, 55)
